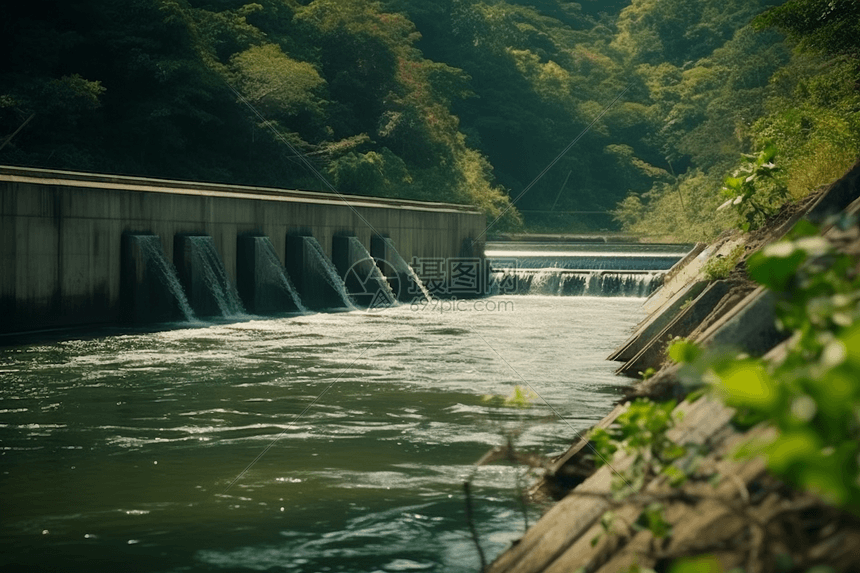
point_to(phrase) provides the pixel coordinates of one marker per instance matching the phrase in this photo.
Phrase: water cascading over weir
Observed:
(155, 292)
(580, 268)
(405, 282)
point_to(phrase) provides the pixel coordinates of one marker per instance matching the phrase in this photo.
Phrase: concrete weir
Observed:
(62, 244)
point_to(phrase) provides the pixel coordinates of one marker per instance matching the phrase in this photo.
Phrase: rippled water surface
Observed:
(356, 429)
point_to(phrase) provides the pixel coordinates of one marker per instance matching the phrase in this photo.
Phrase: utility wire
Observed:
(553, 162)
(560, 190)
(26, 121)
(301, 156)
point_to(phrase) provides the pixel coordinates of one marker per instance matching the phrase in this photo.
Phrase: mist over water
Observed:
(120, 451)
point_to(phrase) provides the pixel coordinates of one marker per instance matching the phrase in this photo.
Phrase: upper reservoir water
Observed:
(585, 256)
(311, 442)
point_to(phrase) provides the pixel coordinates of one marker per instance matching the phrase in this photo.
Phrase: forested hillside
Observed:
(452, 100)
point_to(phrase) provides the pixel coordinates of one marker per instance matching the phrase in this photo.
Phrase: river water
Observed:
(319, 442)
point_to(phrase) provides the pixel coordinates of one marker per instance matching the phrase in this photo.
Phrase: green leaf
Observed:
(653, 518)
(735, 183)
(793, 450)
(775, 265)
(676, 475)
(702, 564)
(803, 228)
(748, 384)
(684, 351)
(766, 154)
(851, 339)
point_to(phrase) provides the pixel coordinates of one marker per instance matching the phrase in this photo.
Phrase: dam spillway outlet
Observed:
(364, 281)
(314, 276)
(404, 281)
(262, 280)
(150, 288)
(204, 278)
(63, 254)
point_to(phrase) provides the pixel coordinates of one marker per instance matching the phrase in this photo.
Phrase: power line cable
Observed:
(553, 162)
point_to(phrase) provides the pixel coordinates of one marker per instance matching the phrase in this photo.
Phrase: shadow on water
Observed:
(95, 331)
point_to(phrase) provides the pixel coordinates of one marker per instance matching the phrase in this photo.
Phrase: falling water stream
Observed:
(221, 289)
(400, 265)
(273, 272)
(324, 266)
(163, 271)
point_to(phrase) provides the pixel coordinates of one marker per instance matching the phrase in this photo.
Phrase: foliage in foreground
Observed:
(753, 191)
(812, 397)
(641, 432)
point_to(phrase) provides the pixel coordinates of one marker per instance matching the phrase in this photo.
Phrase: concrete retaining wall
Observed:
(61, 232)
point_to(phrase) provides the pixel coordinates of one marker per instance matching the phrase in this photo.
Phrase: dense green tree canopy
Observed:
(452, 100)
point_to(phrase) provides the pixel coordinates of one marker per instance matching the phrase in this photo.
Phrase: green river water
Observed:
(129, 451)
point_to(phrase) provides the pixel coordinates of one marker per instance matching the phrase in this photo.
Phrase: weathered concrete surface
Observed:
(652, 353)
(679, 267)
(60, 233)
(690, 271)
(562, 539)
(146, 296)
(572, 468)
(750, 326)
(837, 197)
(261, 278)
(657, 321)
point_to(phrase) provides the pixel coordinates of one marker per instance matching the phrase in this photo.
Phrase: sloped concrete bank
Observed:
(749, 517)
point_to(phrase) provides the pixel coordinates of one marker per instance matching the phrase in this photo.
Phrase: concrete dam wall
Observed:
(61, 234)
